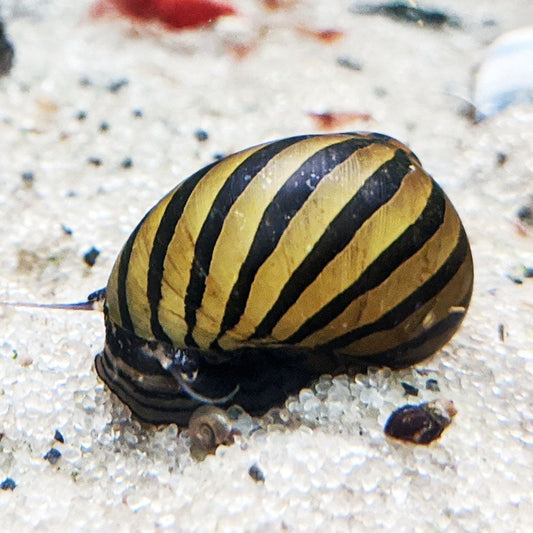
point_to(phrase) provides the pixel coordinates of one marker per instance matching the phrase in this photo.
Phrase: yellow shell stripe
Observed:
(374, 236)
(240, 227)
(180, 252)
(134, 266)
(433, 311)
(137, 282)
(126, 288)
(304, 230)
(370, 306)
(111, 294)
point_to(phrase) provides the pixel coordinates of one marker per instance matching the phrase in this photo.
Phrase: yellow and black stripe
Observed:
(328, 243)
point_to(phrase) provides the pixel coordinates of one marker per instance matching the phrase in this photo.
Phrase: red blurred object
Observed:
(330, 120)
(279, 4)
(326, 36)
(174, 14)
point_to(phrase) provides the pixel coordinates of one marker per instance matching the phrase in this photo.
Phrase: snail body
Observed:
(276, 264)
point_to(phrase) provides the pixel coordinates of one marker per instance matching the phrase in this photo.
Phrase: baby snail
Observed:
(277, 264)
(210, 426)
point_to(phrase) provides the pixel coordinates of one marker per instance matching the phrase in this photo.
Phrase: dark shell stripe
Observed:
(284, 206)
(422, 294)
(164, 234)
(415, 349)
(124, 259)
(398, 283)
(336, 236)
(411, 240)
(215, 210)
(232, 189)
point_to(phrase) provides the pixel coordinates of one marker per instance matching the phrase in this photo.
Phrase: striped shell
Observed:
(278, 263)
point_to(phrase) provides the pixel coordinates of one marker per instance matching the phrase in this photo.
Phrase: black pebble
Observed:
(115, 86)
(127, 162)
(137, 113)
(501, 158)
(28, 178)
(409, 389)
(81, 115)
(432, 385)
(349, 63)
(8, 484)
(201, 135)
(66, 229)
(59, 437)
(525, 214)
(404, 12)
(95, 161)
(256, 474)
(90, 256)
(52, 456)
(104, 126)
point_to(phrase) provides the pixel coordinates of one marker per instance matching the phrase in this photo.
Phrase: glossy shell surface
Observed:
(337, 246)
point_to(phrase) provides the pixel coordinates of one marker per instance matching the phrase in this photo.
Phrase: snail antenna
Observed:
(94, 302)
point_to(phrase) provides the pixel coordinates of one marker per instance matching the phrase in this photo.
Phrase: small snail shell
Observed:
(209, 427)
(421, 424)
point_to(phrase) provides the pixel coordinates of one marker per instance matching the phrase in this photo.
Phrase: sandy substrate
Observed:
(336, 471)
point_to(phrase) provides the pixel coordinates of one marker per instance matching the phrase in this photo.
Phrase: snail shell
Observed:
(276, 264)
(210, 426)
(421, 424)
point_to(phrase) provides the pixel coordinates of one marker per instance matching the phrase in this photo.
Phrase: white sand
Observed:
(337, 472)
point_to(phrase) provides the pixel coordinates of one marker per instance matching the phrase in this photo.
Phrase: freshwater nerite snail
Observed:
(279, 263)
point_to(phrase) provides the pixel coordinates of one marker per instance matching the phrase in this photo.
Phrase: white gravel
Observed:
(336, 471)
